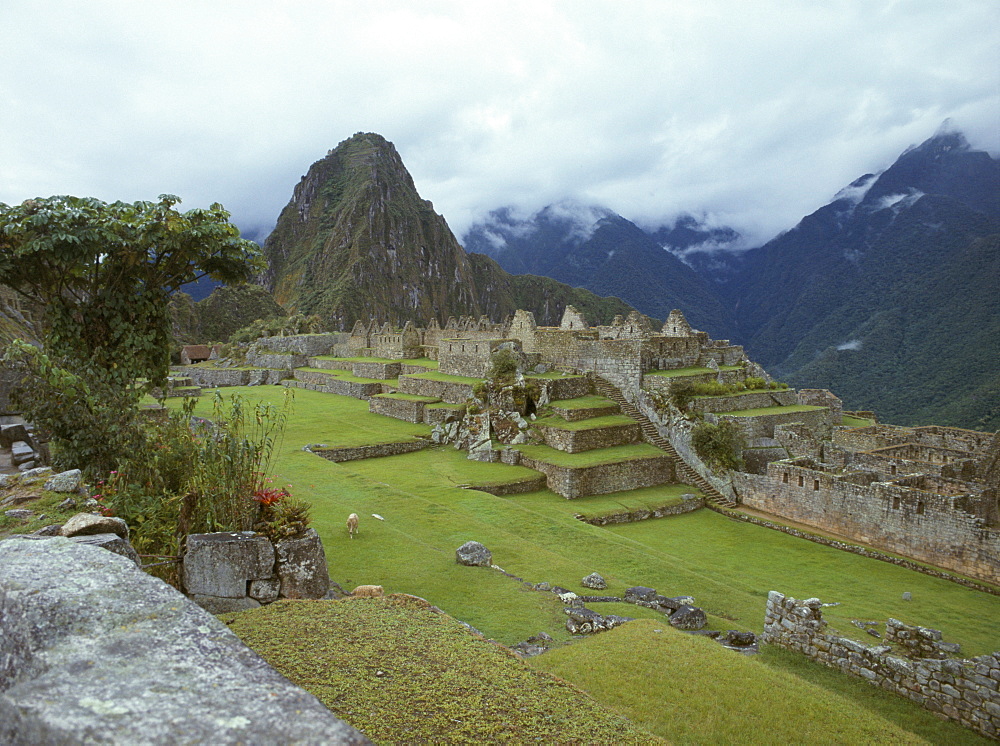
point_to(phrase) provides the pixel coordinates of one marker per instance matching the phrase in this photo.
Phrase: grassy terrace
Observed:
(552, 374)
(423, 362)
(433, 375)
(728, 566)
(647, 498)
(694, 370)
(409, 397)
(742, 393)
(612, 455)
(343, 375)
(584, 402)
(771, 410)
(594, 423)
(355, 359)
(849, 421)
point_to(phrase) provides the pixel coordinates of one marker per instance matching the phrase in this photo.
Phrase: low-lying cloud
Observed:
(753, 113)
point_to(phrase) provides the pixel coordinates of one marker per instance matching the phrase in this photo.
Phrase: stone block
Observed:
(640, 593)
(222, 564)
(90, 641)
(86, 524)
(302, 566)
(265, 591)
(66, 481)
(594, 581)
(688, 618)
(221, 605)
(21, 452)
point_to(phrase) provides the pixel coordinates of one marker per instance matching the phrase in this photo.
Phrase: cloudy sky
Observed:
(752, 113)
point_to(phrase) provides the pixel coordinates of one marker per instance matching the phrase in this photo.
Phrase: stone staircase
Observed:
(651, 435)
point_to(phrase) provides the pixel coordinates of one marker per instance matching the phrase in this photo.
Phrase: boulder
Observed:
(10, 434)
(265, 591)
(95, 650)
(51, 530)
(9, 480)
(640, 593)
(35, 474)
(26, 466)
(302, 568)
(68, 504)
(222, 564)
(688, 618)
(594, 581)
(740, 639)
(83, 524)
(111, 542)
(473, 554)
(221, 605)
(66, 481)
(583, 621)
(674, 602)
(19, 514)
(21, 452)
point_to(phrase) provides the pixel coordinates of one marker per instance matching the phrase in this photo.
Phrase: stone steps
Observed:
(652, 435)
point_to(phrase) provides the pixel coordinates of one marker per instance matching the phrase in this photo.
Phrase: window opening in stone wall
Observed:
(784, 477)
(816, 485)
(920, 507)
(892, 469)
(802, 480)
(895, 502)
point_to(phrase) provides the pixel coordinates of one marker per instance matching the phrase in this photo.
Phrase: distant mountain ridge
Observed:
(594, 248)
(887, 295)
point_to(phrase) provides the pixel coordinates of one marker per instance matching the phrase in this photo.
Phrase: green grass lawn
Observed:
(757, 412)
(611, 455)
(594, 423)
(401, 673)
(850, 421)
(727, 565)
(343, 375)
(409, 397)
(356, 359)
(423, 362)
(433, 375)
(693, 370)
(584, 402)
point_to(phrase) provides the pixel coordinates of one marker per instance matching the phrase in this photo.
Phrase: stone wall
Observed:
(604, 478)
(435, 415)
(575, 415)
(924, 525)
(402, 409)
(577, 441)
(332, 385)
(762, 425)
(93, 650)
(735, 402)
(355, 453)
(452, 392)
(823, 398)
(219, 377)
(964, 690)
(263, 358)
(381, 371)
(304, 344)
(569, 387)
(634, 516)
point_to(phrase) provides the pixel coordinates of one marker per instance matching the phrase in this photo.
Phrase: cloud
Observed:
(755, 114)
(854, 344)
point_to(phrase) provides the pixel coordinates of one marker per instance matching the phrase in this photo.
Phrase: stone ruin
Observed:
(914, 662)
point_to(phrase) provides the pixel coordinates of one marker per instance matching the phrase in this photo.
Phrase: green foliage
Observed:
(278, 325)
(91, 421)
(103, 273)
(720, 445)
(503, 367)
(225, 313)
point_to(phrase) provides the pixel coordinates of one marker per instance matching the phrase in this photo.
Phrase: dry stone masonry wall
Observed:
(916, 664)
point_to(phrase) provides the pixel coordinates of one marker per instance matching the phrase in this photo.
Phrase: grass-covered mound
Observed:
(691, 690)
(402, 673)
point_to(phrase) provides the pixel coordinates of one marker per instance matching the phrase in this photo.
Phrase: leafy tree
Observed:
(104, 273)
(719, 445)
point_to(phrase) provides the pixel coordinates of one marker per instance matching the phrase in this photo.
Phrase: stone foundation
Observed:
(603, 478)
(338, 455)
(577, 441)
(401, 409)
(453, 392)
(220, 377)
(964, 690)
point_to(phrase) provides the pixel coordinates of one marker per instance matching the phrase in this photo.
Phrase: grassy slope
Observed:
(727, 566)
(358, 657)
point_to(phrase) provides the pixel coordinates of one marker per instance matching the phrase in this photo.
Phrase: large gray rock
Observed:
(302, 567)
(689, 618)
(473, 554)
(85, 524)
(111, 542)
(21, 452)
(594, 581)
(95, 651)
(66, 481)
(223, 564)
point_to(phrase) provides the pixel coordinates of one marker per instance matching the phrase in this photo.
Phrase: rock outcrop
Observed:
(92, 650)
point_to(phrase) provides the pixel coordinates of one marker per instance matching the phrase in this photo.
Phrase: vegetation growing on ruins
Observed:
(720, 445)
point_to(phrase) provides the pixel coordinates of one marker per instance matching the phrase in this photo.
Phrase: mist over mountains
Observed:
(887, 294)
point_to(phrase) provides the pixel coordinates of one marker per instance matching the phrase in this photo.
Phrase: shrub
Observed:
(503, 367)
(719, 445)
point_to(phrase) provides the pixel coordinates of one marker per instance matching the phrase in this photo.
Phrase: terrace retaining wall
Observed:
(964, 690)
(577, 441)
(603, 478)
(356, 453)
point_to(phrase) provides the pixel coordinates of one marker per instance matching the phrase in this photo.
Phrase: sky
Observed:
(746, 114)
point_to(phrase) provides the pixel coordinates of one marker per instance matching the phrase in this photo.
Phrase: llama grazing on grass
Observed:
(352, 524)
(368, 591)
